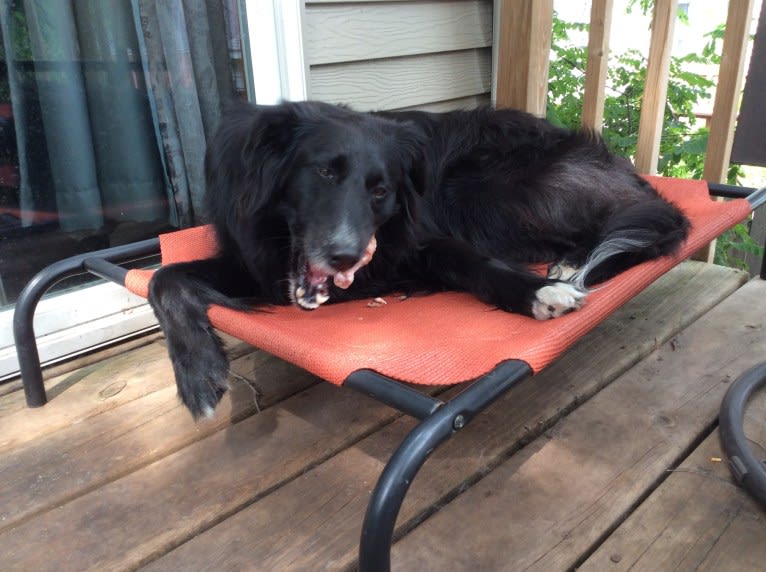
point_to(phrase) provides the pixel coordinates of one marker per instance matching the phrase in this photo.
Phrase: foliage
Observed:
(683, 142)
(733, 244)
(684, 137)
(646, 5)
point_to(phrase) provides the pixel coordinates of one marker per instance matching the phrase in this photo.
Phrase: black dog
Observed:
(456, 201)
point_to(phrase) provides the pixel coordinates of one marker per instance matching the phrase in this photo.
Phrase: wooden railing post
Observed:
(598, 56)
(728, 91)
(727, 95)
(656, 87)
(524, 45)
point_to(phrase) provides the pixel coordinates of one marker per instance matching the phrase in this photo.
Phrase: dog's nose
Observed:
(341, 259)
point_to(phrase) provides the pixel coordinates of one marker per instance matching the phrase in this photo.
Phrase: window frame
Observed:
(74, 322)
(275, 32)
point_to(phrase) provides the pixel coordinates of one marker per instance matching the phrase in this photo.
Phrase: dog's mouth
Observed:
(309, 288)
(309, 285)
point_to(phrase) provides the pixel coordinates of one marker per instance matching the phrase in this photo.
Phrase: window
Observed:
(105, 106)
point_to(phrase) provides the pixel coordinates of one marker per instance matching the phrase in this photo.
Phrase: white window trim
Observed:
(74, 322)
(275, 30)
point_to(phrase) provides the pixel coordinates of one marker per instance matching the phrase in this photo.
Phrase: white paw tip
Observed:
(556, 300)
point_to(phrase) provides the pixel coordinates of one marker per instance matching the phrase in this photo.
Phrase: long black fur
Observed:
(457, 201)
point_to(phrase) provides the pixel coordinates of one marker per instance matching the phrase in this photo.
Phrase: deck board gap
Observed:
(650, 489)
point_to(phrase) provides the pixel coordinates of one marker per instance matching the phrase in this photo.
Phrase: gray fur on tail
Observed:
(621, 242)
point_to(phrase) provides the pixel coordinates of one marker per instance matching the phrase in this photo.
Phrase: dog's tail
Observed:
(643, 231)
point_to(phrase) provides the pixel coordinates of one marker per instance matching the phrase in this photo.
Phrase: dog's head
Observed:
(333, 175)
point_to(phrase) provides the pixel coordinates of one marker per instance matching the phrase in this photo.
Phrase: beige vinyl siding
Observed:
(399, 54)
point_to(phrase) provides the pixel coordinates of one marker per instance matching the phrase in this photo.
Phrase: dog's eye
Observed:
(326, 173)
(379, 191)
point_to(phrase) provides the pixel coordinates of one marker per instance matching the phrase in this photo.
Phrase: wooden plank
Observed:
(78, 395)
(81, 457)
(313, 523)
(524, 44)
(142, 515)
(598, 57)
(402, 82)
(348, 32)
(85, 393)
(656, 87)
(698, 519)
(549, 504)
(83, 360)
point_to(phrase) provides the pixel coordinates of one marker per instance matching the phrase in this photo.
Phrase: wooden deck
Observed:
(608, 460)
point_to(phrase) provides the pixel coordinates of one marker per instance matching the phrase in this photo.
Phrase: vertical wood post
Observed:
(727, 95)
(524, 45)
(656, 88)
(598, 56)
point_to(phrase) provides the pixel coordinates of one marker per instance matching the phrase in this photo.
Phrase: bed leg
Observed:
(394, 481)
(26, 304)
(23, 326)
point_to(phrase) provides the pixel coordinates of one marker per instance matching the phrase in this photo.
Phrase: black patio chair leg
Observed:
(392, 486)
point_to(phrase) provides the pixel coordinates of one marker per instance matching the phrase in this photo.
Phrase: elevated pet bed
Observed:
(439, 339)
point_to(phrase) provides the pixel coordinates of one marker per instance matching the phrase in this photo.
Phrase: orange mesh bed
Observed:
(443, 338)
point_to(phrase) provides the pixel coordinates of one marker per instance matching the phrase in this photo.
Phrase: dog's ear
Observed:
(410, 145)
(247, 155)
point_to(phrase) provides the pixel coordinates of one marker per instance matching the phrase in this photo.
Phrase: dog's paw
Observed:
(201, 394)
(556, 300)
(201, 376)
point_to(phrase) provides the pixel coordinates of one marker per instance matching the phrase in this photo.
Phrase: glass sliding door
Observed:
(105, 107)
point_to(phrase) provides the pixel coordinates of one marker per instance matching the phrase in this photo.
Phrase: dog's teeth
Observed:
(322, 298)
(306, 305)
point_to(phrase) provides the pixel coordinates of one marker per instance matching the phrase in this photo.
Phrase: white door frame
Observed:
(275, 31)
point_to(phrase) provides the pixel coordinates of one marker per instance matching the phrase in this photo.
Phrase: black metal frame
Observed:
(439, 419)
(756, 198)
(444, 420)
(26, 304)
(748, 470)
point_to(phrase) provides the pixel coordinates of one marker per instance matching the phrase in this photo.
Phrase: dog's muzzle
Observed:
(309, 288)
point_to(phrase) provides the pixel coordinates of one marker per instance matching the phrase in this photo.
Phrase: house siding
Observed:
(434, 55)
